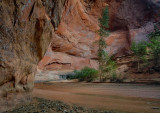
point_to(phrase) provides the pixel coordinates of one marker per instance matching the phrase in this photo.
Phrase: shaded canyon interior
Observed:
(68, 28)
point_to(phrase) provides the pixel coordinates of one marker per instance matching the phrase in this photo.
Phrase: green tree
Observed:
(103, 32)
(106, 65)
(154, 46)
(140, 51)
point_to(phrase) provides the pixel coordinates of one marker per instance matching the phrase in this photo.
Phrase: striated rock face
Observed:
(26, 30)
(54, 9)
(26, 27)
(75, 37)
(73, 45)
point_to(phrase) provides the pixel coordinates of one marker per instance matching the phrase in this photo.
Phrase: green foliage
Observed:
(102, 54)
(140, 51)
(114, 77)
(110, 66)
(105, 18)
(86, 74)
(155, 33)
(106, 65)
(104, 23)
(154, 46)
(102, 43)
(103, 32)
(148, 49)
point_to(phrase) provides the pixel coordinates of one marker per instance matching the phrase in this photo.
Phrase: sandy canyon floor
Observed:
(122, 98)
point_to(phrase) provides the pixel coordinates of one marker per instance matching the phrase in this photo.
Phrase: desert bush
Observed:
(140, 51)
(148, 53)
(154, 46)
(109, 68)
(85, 74)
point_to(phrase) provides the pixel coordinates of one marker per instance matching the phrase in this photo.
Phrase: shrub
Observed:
(109, 68)
(114, 77)
(154, 46)
(150, 50)
(139, 50)
(86, 74)
(155, 50)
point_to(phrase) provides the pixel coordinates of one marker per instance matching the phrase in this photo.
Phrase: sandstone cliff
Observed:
(73, 45)
(28, 26)
(26, 30)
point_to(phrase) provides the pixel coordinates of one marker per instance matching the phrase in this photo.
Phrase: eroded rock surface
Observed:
(74, 40)
(26, 30)
(26, 27)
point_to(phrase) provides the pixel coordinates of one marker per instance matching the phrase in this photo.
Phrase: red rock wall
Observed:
(27, 26)
(76, 35)
(25, 33)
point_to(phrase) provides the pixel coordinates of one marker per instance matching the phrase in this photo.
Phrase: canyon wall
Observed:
(27, 27)
(26, 30)
(74, 43)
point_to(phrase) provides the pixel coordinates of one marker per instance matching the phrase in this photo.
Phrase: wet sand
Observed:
(125, 98)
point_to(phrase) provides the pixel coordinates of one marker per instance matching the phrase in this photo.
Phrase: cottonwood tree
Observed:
(106, 65)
